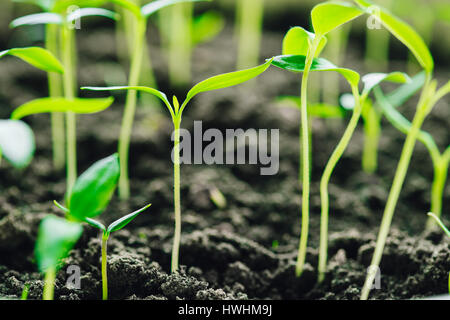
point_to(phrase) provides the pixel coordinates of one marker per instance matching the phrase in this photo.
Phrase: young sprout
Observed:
(431, 215)
(56, 237)
(249, 25)
(55, 21)
(300, 51)
(440, 160)
(141, 16)
(115, 226)
(176, 112)
(429, 97)
(25, 292)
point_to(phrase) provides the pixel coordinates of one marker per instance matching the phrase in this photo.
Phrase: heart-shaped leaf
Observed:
(76, 105)
(327, 16)
(296, 63)
(94, 188)
(16, 142)
(37, 57)
(402, 31)
(297, 42)
(56, 237)
(154, 6)
(122, 222)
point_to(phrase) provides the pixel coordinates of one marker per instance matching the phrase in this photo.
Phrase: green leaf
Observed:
(56, 237)
(371, 80)
(207, 26)
(319, 110)
(93, 190)
(154, 6)
(17, 142)
(76, 105)
(296, 63)
(37, 57)
(122, 222)
(330, 15)
(400, 95)
(226, 80)
(402, 31)
(37, 18)
(158, 94)
(95, 224)
(297, 42)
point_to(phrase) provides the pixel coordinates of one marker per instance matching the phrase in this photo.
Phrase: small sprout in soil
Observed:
(25, 291)
(218, 198)
(115, 226)
(176, 111)
(56, 237)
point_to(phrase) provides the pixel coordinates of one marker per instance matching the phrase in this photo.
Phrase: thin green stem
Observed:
(332, 162)
(437, 190)
(105, 237)
(305, 164)
(130, 109)
(372, 130)
(394, 194)
(49, 284)
(55, 90)
(69, 92)
(176, 195)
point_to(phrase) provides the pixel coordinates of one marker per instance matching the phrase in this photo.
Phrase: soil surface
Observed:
(246, 250)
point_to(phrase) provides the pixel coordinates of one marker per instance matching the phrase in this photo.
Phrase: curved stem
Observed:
(304, 164)
(176, 194)
(437, 190)
(397, 184)
(105, 266)
(49, 284)
(324, 198)
(130, 109)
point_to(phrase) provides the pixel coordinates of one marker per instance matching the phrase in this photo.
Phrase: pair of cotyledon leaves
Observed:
(90, 196)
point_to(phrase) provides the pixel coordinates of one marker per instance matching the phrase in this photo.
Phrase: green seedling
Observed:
(429, 97)
(440, 160)
(106, 232)
(141, 15)
(176, 112)
(60, 15)
(431, 215)
(16, 137)
(55, 21)
(300, 51)
(249, 25)
(56, 237)
(25, 292)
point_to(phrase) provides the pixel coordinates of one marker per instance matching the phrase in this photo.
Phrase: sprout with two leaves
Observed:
(176, 111)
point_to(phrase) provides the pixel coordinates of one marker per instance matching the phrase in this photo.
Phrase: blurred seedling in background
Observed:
(176, 111)
(17, 143)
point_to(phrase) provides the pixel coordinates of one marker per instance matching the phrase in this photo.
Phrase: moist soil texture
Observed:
(247, 249)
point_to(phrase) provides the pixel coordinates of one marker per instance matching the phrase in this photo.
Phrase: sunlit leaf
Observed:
(297, 41)
(56, 237)
(156, 5)
(402, 31)
(37, 57)
(327, 16)
(122, 222)
(93, 190)
(95, 224)
(17, 142)
(373, 79)
(296, 63)
(49, 105)
(37, 18)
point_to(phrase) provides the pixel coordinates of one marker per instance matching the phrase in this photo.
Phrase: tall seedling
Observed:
(176, 112)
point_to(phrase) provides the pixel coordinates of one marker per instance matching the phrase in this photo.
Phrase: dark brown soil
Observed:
(225, 253)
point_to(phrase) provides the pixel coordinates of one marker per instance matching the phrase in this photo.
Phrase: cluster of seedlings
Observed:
(88, 195)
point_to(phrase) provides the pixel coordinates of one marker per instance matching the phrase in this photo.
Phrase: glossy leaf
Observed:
(37, 57)
(122, 222)
(297, 41)
(296, 63)
(48, 105)
(56, 237)
(93, 190)
(227, 80)
(17, 142)
(156, 5)
(327, 16)
(373, 79)
(319, 110)
(207, 26)
(403, 32)
(95, 224)
(37, 18)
